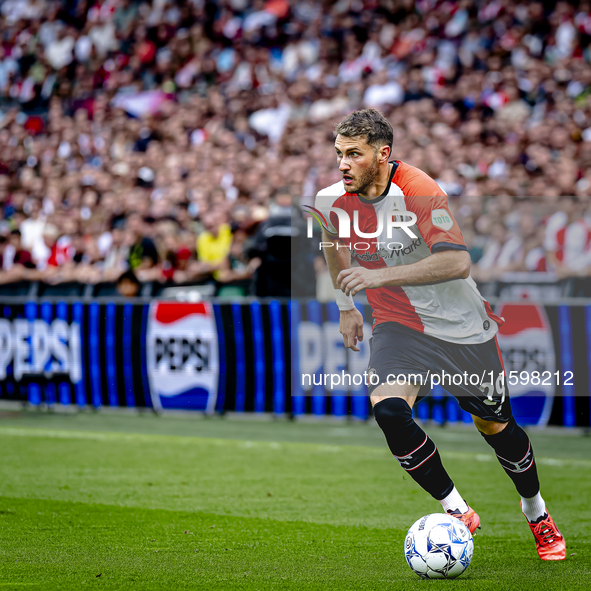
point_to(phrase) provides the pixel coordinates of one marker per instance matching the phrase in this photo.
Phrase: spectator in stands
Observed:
(568, 239)
(128, 285)
(32, 227)
(45, 254)
(236, 273)
(116, 252)
(213, 244)
(502, 253)
(14, 255)
(175, 259)
(142, 250)
(116, 110)
(534, 259)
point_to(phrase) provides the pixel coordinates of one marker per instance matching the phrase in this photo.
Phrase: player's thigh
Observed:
(482, 390)
(407, 391)
(398, 365)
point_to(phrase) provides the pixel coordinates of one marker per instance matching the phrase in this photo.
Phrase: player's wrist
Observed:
(381, 277)
(345, 303)
(387, 277)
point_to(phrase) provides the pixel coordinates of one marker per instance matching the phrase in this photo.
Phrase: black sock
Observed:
(412, 447)
(516, 455)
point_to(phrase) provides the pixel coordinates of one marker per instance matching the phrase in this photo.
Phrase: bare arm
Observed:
(338, 261)
(442, 266)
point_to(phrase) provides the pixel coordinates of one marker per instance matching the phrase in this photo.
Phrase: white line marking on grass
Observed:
(274, 445)
(551, 461)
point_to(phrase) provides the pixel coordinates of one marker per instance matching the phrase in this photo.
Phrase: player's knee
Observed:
(489, 427)
(392, 414)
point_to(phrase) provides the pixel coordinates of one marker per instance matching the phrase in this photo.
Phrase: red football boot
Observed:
(470, 518)
(550, 542)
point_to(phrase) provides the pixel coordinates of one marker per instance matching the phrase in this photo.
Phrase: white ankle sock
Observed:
(454, 502)
(533, 508)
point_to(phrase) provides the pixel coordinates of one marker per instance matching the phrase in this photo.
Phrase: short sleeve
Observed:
(427, 200)
(328, 219)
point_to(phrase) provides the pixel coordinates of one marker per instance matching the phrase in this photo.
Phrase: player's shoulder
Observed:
(326, 197)
(336, 190)
(415, 182)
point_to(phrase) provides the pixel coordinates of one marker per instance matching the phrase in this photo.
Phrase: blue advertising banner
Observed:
(264, 356)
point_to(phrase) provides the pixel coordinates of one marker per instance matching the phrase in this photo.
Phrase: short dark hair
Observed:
(128, 276)
(369, 123)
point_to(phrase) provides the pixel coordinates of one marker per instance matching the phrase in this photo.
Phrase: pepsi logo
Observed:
(527, 346)
(182, 356)
(182, 353)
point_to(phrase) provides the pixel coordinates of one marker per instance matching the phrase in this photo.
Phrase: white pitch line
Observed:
(274, 445)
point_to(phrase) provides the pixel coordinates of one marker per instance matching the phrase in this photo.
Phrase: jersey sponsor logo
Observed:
(441, 219)
(182, 356)
(408, 249)
(388, 253)
(366, 256)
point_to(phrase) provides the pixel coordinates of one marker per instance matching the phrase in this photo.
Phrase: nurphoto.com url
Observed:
(514, 378)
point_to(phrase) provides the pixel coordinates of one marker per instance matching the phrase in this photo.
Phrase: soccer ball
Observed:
(438, 546)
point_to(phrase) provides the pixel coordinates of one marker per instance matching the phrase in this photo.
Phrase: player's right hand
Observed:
(351, 327)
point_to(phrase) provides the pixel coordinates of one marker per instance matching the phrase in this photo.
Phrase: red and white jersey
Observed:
(571, 243)
(554, 234)
(453, 311)
(577, 245)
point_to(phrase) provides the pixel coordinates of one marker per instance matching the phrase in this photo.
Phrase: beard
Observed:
(367, 179)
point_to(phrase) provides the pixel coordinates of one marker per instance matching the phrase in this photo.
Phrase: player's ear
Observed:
(384, 154)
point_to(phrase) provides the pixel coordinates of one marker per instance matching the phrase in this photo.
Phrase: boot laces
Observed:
(545, 532)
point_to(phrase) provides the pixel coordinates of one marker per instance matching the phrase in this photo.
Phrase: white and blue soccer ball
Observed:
(438, 546)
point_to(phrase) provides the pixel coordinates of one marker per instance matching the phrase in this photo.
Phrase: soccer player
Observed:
(428, 317)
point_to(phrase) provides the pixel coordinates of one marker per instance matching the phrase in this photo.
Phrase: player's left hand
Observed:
(353, 280)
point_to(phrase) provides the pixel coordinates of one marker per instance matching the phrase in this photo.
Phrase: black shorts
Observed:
(474, 374)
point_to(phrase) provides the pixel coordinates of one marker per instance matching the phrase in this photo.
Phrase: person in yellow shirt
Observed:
(213, 244)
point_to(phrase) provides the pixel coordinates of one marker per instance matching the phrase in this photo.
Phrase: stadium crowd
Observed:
(153, 138)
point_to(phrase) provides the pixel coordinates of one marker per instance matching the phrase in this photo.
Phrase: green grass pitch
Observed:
(98, 501)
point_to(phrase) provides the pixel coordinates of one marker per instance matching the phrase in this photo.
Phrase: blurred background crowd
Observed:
(162, 140)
